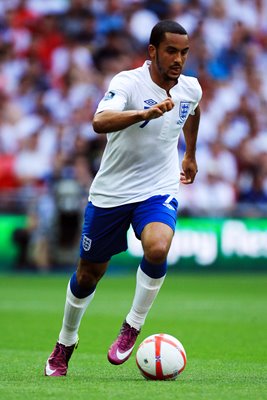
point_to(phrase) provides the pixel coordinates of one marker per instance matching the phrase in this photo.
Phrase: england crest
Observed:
(183, 111)
(86, 243)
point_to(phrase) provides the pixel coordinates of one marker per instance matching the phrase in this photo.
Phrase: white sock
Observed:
(73, 313)
(145, 293)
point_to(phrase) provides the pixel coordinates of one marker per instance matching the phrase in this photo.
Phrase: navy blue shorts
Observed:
(104, 230)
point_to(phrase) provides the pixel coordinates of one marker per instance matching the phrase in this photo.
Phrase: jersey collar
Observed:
(146, 66)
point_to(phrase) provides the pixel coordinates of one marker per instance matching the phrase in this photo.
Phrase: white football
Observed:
(161, 357)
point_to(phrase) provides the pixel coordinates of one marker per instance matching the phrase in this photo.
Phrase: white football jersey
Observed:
(142, 160)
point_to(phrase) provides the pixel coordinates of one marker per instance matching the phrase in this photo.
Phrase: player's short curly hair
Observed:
(162, 27)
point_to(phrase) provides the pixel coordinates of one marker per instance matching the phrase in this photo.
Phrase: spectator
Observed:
(253, 197)
(56, 59)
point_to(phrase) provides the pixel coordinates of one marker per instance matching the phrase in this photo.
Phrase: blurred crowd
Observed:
(56, 60)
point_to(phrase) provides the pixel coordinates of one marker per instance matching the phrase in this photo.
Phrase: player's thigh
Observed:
(154, 222)
(104, 232)
(155, 209)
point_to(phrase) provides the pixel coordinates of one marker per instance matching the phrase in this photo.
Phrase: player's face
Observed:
(170, 56)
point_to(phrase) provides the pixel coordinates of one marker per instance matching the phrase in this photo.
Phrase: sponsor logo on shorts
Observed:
(169, 206)
(87, 242)
(167, 203)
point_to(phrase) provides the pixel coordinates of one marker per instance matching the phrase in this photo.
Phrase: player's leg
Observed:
(104, 234)
(156, 240)
(80, 292)
(154, 223)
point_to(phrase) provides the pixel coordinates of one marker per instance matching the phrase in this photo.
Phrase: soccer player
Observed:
(143, 113)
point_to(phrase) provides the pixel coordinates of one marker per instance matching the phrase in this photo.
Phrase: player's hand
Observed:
(189, 170)
(159, 109)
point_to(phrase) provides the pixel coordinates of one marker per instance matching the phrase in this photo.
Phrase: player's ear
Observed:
(152, 51)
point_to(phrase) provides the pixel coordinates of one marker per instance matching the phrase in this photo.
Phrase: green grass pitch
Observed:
(220, 319)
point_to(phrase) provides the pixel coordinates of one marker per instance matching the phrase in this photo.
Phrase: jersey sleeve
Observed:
(118, 94)
(198, 95)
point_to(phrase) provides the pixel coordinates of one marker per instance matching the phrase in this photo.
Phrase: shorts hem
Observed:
(138, 232)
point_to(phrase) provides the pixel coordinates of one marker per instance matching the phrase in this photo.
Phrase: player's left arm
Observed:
(189, 163)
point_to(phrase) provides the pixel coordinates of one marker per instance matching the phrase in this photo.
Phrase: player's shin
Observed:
(75, 308)
(147, 288)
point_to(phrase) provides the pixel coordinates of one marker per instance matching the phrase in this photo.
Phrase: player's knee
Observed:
(88, 275)
(156, 253)
(85, 279)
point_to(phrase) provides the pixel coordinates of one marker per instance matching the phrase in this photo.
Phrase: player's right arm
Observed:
(113, 120)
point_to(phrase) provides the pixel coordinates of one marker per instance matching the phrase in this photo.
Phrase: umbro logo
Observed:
(169, 206)
(150, 102)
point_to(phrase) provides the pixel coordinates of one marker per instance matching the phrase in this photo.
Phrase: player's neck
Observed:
(166, 84)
